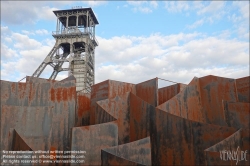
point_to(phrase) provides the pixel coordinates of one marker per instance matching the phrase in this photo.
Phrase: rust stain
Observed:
(53, 153)
(52, 94)
(181, 120)
(59, 94)
(83, 105)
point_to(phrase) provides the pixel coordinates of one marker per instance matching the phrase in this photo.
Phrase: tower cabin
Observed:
(75, 43)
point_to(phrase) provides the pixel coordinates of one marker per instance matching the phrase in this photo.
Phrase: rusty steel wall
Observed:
(129, 124)
(139, 118)
(45, 109)
(243, 89)
(102, 116)
(134, 153)
(148, 91)
(237, 114)
(233, 143)
(92, 139)
(117, 88)
(83, 109)
(166, 93)
(213, 91)
(18, 143)
(118, 107)
(176, 140)
(186, 104)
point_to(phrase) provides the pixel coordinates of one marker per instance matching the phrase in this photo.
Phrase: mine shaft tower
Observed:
(75, 43)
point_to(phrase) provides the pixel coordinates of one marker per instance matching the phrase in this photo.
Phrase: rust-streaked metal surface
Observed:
(166, 93)
(233, 143)
(186, 104)
(43, 113)
(148, 91)
(243, 89)
(83, 109)
(18, 143)
(214, 90)
(176, 140)
(92, 139)
(139, 118)
(102, 116)
(136, 152)
(118, 107)
(237, 114)
(114, 160)
(129, 124)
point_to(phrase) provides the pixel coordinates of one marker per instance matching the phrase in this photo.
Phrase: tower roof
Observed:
(79, 9)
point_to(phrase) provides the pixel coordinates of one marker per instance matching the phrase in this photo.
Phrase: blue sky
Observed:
(138, 40)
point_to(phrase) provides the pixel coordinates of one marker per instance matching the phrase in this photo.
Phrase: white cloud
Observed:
(7, 53)
(243, 8)
(42, 32)
(234, 18)
(28, 32)
(23, 42)
(140, 59)
(154, 4)
(241, 22)
(143, 6)
(177, 57)
(136, 3)
(196, 24)
(213, 7)
(94, 3)
(28, 12)
(176, 6)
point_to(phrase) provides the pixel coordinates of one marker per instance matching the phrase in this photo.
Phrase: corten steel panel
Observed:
(233, 143)
(237, 114)
(29, 121)
(148, 91)
(117, 88)
(101, 116)
(230, 143)
(118, 107)
(186, 104)
(59, 95)
(83, 109)
(139, 118)
(178, 141)
(138, 152)
(243, 89)
(166, 93)
(245, 139)
(213, 90)
(94, 138)
(18, 143)
(37, 80)
(113, 160)
(41, 127)
(36, 94)
(98, 92)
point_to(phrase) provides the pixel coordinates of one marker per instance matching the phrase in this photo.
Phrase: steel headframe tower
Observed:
(75, 43)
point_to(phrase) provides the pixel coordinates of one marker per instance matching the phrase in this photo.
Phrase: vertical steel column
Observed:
(76, 20)
(67, 22)
(87, 26)
(57, 25)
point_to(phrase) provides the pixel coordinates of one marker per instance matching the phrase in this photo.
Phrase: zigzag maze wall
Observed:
(129, 124)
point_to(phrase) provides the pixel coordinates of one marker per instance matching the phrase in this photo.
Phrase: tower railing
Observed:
(72, 31)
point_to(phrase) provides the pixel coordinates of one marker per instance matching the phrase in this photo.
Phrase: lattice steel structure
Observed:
(75, 43)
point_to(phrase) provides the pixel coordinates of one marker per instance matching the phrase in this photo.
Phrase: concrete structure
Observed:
(75, 44)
